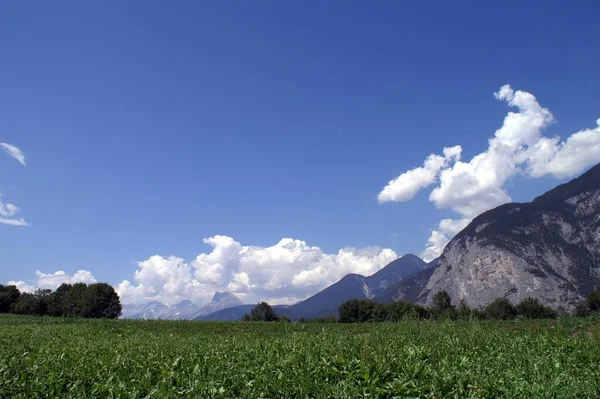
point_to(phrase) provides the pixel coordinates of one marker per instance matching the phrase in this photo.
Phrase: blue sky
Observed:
(148, 127)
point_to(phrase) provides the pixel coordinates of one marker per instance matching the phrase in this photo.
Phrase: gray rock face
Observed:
(548, 249)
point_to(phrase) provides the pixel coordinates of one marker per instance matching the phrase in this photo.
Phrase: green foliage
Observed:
(365, 311)
(101, 302)
(9, 294)
(500, 309)
(593, 301)
(327, 319)
(442, 302)
(98, 300)
(532, 309)
(261, 312)
(87, 358)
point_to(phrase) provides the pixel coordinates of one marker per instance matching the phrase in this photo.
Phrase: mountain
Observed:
(548, 249)
(219, 301)
(351, 286)
(150, 310)
(184, 310)
(355, 286)
(408, 289)
(229, 314)
(236, 313)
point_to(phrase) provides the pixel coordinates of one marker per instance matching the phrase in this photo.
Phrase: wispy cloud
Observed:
(14, 152)
(7, 210)
(517, 148)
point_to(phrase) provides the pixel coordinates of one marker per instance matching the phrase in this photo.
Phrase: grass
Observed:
(46, 357)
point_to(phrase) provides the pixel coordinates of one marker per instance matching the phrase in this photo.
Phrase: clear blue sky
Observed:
(150, 125)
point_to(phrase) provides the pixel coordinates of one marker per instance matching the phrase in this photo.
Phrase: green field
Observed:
(46, 357)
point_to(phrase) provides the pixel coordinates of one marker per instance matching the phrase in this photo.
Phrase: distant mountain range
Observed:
(184, 310)
(351, 286)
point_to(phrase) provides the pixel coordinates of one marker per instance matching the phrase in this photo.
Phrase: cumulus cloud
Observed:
(405, 186)
(23, 286)
(518, 147)
(53, 280)
(13, 152)
(282, 273)
(7, 210)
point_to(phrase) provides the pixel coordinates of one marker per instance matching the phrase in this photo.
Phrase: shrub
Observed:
(532, 309)
(500, 309)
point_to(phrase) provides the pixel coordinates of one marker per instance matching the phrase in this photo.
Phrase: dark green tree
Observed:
(442, 305)
(349, 311)
(35, 304)
(500, 309)
(57, 302)
(593, 301)
(74, 301)
(101, 302)
(262, 312)
(532, 309)
(9, 294)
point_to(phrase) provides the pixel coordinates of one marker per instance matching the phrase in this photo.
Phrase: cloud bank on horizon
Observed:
(286, 272)
(518, 147)
(8, 210)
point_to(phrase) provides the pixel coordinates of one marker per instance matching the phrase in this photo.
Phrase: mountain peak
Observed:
(185, 302)
(219, 296)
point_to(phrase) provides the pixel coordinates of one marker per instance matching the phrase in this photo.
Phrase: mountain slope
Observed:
(355, 286)
(351, 286)
(219, 301)
(547, 249)
(408, 289)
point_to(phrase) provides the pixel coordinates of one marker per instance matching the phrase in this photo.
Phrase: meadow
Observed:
(55, 357)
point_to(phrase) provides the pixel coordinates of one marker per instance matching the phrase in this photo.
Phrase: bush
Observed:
(500, 309)
(261, 312)
(532, 309)
(9, 294)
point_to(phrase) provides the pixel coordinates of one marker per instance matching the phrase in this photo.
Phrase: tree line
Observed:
(365, 311)
(98, 300)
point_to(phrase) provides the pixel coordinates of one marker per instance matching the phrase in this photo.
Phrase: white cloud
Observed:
(22, 286)
(53, 280)
(13, 152)
(405, 186)
(447, 228)
(517, 148)
(282, 273)
(8, 211)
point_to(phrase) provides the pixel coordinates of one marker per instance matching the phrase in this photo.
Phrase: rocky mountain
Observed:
(547, 249)
(355, 286)
(408, 289)
(184, 310)
(219, 301)
(150, 310)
